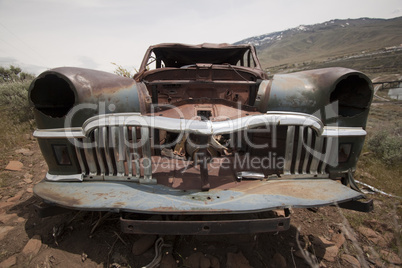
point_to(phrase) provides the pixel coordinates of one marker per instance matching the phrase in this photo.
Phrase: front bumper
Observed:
(245, 197)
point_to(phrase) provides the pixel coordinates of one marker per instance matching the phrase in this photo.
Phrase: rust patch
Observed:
(119, 204)
(295, 188)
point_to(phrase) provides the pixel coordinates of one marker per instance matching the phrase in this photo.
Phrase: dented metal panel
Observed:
(247, 196)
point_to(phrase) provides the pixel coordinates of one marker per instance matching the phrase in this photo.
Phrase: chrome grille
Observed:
(115, 152)
(307, 153)
(121, 152)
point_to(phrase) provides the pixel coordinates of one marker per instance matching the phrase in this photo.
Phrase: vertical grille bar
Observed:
(77, 147)
(98, 144)
(146, 153)
(135, 153)
(89, 155)
(127, 151)
(317, 154)
(105, 145)
(308, 146)
(289, 149)
(118, 151)
(299, 149)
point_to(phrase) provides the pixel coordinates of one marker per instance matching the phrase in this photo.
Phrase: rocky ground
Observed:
(325, 237)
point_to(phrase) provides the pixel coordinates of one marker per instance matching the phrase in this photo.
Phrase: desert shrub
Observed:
(387, 145)
(120, 70)
(13, 74)
(14, 86)
(14, 100)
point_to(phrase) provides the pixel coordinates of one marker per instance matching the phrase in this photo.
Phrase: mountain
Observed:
(328, 40)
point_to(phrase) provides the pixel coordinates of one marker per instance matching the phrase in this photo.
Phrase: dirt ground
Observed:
(316, 238)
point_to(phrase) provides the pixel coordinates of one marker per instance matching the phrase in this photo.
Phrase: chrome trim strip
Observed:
(59, 133)
(334, 131)
(201, 127)
(73, 177)
(184, 125)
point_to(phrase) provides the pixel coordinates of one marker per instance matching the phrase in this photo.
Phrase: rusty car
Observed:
(202, 138)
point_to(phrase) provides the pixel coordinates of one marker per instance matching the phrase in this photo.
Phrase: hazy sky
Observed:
(41, 34)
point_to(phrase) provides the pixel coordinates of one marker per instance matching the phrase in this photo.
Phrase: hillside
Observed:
(329, 41)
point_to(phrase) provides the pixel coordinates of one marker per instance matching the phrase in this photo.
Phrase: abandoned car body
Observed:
(201, 130)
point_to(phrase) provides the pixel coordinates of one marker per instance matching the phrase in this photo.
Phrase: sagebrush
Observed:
(387, 144)
(14, 100)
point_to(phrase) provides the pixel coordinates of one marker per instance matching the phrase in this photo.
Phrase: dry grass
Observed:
(15, 116)
(382, 172)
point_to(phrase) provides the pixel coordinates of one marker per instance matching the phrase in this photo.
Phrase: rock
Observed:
(372, 236)
(4, 205)
(4, 230)
(388, 237)
(279, 213)
(14, 166)
(27, 181)
(322, 242)
(198, 259)
(30, 190)
(19, 220)
(9, 262)
(33, 246)
(16, 197)
(338, 239)
(168, 261)
(205, 262)
(236, 260)
(279, 261)
(214, 262)
(84, 256)
(25, 152)
(143, 244)
(391, 257)
(330, 253)
(28, 178)
(352, 261)
(371, 254)
(325, 248)
(9, 219)
(298, 253)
